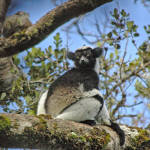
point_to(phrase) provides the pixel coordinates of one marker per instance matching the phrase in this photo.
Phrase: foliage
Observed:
(123, 67)
(118, 74)
(40, 69)
(123, 72)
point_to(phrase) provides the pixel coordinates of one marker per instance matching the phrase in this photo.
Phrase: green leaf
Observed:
(115, 32)
(130, 25)
(109, 34)
(33, 51)
(16, 60)
(136, 34)
(117, 46)
(50, 50)
(57, 40)
(123, 13)
(116, 15)
(134, 28)
(3, 95)
(56, 53)
(116, 52)
(111, 56)
(57, 37)
(145, 27)
(110, 42)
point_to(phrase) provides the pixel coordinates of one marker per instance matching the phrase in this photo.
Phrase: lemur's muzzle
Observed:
(84, 60)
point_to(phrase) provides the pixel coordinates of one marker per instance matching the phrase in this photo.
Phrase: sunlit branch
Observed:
(46, 25)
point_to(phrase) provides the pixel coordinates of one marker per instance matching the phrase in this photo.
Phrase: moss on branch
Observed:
(25, 131)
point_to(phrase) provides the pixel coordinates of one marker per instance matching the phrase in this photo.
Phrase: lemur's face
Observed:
(85, 58)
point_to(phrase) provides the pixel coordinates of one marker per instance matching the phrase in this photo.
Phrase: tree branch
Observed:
(24, 131)
(25, 39)
(127, 116)
(132, 74)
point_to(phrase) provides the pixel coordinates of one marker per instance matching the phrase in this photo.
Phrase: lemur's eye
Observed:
(88, 54)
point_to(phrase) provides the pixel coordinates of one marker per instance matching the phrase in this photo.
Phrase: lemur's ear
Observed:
(71, 55)
(97, 51)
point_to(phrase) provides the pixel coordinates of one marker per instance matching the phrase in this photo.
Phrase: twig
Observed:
(133, 104)
(120, 104)
(133, 73)
(123, 116)
(83, 34)
(124, 55)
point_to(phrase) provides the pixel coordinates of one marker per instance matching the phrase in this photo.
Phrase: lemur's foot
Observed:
(89, 122)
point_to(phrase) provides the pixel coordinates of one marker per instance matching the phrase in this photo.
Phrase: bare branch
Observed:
(125, 116)
(129, 106)
(120, 104)
(133, 73)
(123, 59)
(83, 35)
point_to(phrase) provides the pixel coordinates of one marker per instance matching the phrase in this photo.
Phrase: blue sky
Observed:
(138, 13)
(38, 8)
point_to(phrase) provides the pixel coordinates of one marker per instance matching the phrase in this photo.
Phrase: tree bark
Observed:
(3, 10)
(43, 132)
(27, 38)
(8, 72)
(6, 75)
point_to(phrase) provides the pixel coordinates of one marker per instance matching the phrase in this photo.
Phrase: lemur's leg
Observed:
(41, 104)
(103, 117)
(82, 110)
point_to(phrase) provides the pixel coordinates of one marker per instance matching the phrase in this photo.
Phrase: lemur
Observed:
(75, 95)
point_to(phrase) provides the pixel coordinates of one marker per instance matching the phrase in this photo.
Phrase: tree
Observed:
(42, 67)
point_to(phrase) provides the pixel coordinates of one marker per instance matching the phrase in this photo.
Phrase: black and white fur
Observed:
(89, 107)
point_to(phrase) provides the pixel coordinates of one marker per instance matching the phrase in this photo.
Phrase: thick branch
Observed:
(24, 131)
(47, 24)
